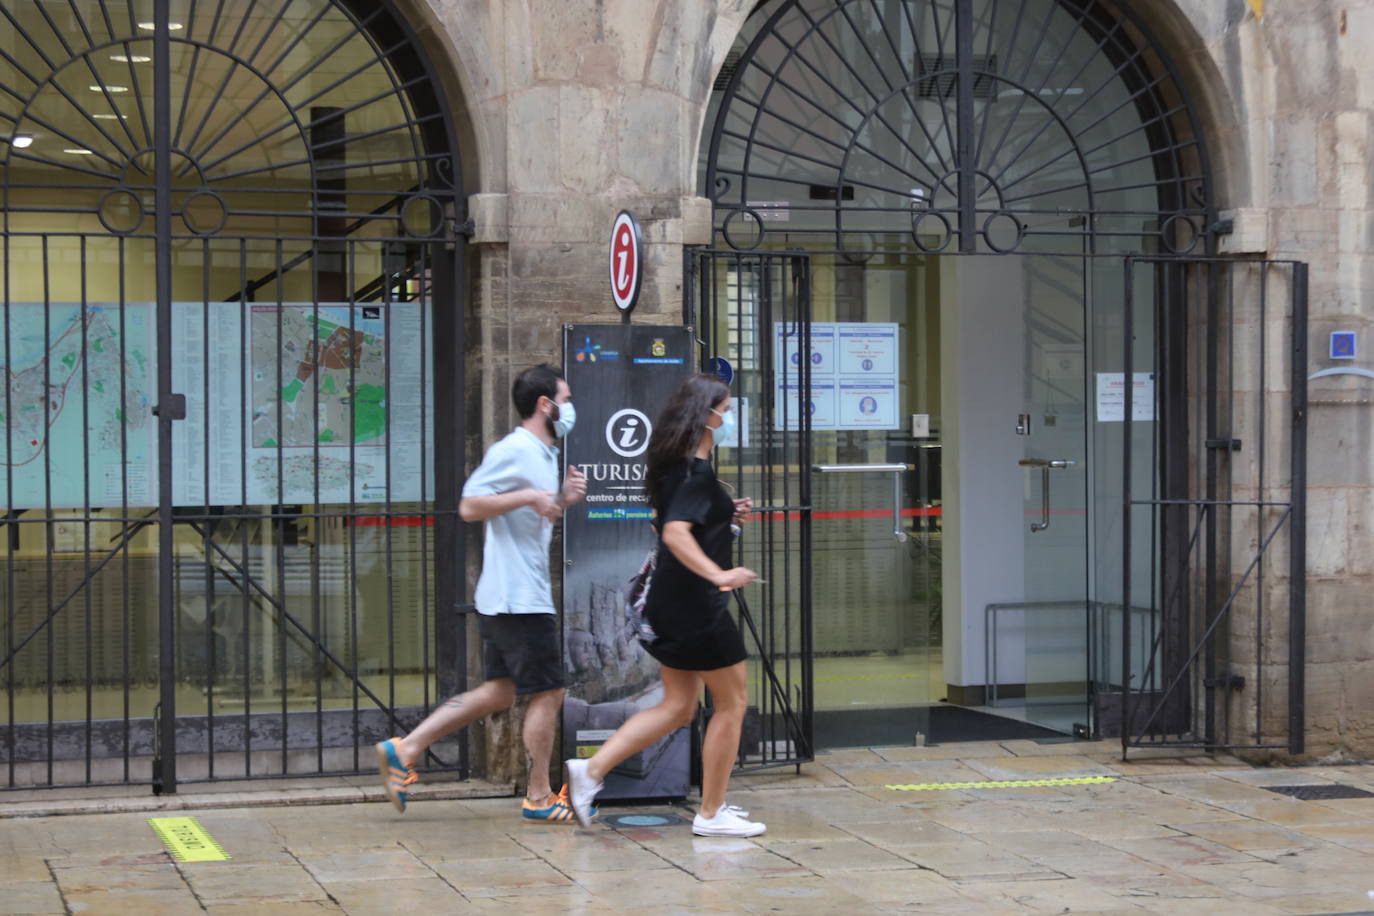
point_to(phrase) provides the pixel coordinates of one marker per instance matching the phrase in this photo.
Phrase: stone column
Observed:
(578, 110)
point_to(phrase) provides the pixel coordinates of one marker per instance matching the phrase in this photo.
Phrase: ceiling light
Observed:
(149, 26)
(106, 116)
(130, 58)
(96, 87)
(21, 141)
(78, 151)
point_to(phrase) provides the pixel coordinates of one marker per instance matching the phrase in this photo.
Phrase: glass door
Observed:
(841, 429)
(1055, 463)
(875, 382)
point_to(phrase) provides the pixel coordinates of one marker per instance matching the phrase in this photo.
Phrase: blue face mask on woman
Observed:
(726, 430)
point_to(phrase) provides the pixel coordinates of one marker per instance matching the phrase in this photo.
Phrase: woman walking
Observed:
(688, 606)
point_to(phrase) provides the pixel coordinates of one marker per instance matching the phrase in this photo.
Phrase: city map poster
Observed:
(77, 387)
(337, 407)
(286, 403)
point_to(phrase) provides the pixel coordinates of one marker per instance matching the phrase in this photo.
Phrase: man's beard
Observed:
(548, 424)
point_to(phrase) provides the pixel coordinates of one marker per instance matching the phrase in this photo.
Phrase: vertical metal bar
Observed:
(1262, 386)
(85, 511)
(166, 781)
(426, 505)
(791, 305)
(279, 510)
(125, 604)
(1194, 615)
(761, 314)
(807, 749)
(1128, 367)
(1160, 347)
(316, 609)
(86, 505)
(351, 286)
(245, 430)
(12, 529)
(775, 290)
(1228, 281)
(966, 161)
(792, 275)
(208, 539)
(47, 500)
(1212, 388)
(388, 300)
(1297, 550)
(1194, 293)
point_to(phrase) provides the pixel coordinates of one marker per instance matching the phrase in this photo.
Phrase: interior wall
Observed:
(982, 380)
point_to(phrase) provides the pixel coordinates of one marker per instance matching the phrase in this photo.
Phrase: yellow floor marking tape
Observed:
(187, 840)
(1005, 784)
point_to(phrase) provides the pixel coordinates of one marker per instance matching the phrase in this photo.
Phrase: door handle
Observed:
(895, 470)
(1045, 465)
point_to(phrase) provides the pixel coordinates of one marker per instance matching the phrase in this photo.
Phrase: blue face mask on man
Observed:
(566, 419)
(726, 430)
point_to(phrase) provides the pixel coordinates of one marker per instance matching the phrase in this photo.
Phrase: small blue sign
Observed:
(1342, 344)
(720, 366)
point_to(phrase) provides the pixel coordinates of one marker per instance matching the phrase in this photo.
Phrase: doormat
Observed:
(949, 724)
(1005, 784)
(1320, 791)
(941, 724)
(187, 840)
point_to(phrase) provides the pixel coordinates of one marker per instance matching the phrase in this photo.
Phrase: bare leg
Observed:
(679, 704)
(540, 717)
(729, 696)
(453, 714)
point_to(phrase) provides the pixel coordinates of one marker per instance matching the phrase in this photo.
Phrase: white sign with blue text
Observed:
(853, 375)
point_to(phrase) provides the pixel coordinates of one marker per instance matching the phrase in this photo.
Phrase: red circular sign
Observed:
(627, 261)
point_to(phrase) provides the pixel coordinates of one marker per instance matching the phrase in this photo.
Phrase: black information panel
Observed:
(620, 375)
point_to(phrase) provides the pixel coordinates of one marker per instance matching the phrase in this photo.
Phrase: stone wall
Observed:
(1301, 88)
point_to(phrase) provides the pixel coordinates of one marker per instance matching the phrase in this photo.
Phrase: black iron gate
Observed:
(232, 343)
(751, 310)
(1214, 504)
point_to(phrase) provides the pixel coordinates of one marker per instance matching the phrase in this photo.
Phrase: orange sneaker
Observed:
(557, 809)
(397, 777)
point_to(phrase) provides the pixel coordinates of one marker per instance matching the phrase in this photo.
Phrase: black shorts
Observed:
(524, 648)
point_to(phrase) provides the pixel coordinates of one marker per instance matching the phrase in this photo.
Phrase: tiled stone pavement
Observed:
(1173, 835)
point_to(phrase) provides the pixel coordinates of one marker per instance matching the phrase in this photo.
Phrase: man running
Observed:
(515, 491)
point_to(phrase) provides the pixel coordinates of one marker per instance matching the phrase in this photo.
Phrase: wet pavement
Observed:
(1167, 835)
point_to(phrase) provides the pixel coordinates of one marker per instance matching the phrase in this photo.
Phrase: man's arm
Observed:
(574, 487)
(481, 508)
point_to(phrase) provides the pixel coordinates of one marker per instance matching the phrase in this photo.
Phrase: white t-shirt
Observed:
(515, 556)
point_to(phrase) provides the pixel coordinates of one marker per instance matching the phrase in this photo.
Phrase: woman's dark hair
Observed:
(534, 383)
(679, 426)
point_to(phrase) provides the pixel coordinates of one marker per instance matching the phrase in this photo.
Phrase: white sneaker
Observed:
(737, 811)
(581, 791)
(726, 823)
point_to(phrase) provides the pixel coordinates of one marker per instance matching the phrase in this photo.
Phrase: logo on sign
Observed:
(627, 261)
(588, 351)
(627, 432)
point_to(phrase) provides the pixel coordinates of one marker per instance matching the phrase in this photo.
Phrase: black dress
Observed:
(690, 616)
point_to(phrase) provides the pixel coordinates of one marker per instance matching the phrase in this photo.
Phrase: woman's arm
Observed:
(678, 538)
